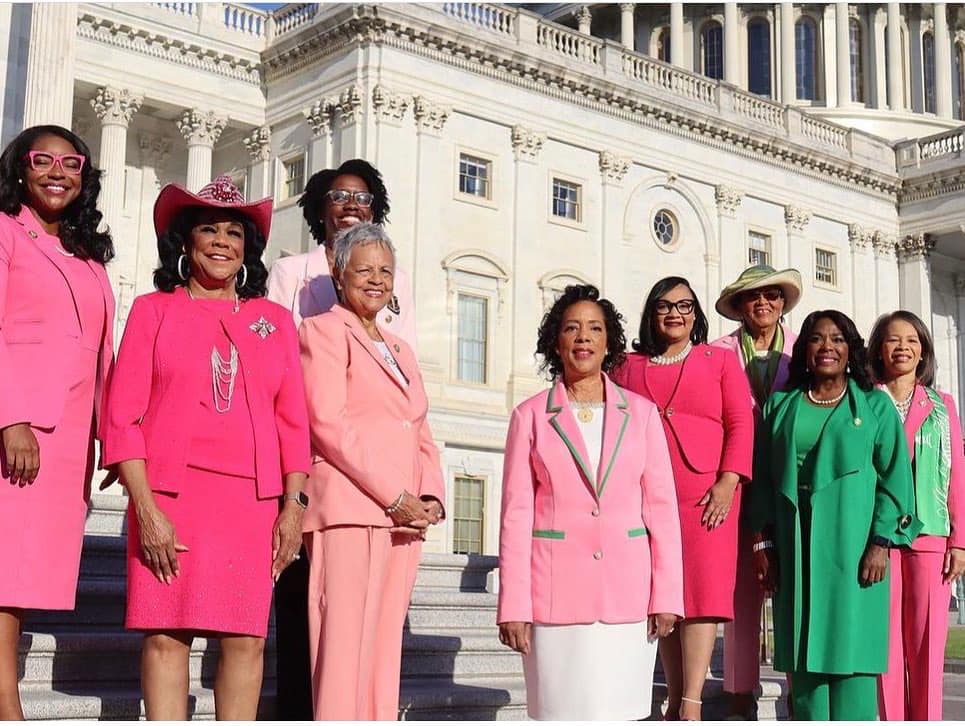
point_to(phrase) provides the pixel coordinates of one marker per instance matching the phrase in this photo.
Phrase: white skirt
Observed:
(597, 672)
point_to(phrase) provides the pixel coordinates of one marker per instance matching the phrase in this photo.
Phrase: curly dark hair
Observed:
(648, 342)
(549, 330)
(925, 371)
(177, 239)
(798, 373)
(312, 200)
(78, 226)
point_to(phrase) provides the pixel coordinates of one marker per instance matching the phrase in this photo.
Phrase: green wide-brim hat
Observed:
(754, 278)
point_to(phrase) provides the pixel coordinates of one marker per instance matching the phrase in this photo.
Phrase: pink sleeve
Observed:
(956, 487)
(663, 522)
(738, 418)
(13, 406)
(621, 374)
(432, 484)
(291, 414)
(280, 289)
(516, 523)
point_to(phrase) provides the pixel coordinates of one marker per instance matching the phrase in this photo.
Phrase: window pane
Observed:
(468, 519)
(959, 80)
(472, 339)
(805, 59)
(566, 199)
(857, 69)
(928, 70)
(713, 41)
(759, 58)
(663, 49)
(825, 267)
(474, 176)
(294, 177)
(758, 248)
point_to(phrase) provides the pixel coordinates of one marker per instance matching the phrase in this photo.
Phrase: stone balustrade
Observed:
(244, 19)
(293, 16)
(824, 132)
(496, 18)
(930, 154)
(569, 43)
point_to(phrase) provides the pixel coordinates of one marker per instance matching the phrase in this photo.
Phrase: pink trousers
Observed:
(358, 595)
(742, 635)
(911, 690)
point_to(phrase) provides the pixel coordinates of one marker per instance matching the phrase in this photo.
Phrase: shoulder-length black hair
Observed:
(177, 241)
(78, 225)
(798, 373)
(925, 371)
(312, 200)
(549, 330)
(648, 342)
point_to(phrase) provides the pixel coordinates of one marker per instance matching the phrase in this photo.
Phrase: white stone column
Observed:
(50, 64)
(887, 283)
(914, 274)
(842, 48)
(584, 18)
(258, 144)
(730, 227)
(943, 63)
(862, 276)
(627, 30)
(788, 78)
(613, 169)
(201, 130)
(799, 251)
(896, 84)
(677, 34)
(319, 117)
(731, 51)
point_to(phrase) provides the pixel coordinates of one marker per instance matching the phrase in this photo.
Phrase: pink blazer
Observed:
(150, 402)
(303, 284)
(711, 417)
(581, 546)
(39, 327)
(370, 438)
(921, 407)
(733, 342)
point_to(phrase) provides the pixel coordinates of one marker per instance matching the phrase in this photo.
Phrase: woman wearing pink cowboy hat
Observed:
(207, 425)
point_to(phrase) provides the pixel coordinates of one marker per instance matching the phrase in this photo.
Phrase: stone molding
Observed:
(861, 238)
(319, 116)
(155, 150)
(931, 186)
(613, 168)
(258, 144)
(429, 115)
(527, 144)
(115, 106)
(728, 199)
(885, 244)
(914, 247)
(796, 218)
(958, 283)
(349, 105)
(389, 105)
(201, 128)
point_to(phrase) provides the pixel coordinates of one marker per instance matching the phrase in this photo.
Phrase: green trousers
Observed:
(833, 697)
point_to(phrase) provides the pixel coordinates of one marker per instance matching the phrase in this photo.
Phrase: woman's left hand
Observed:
(874, 564)
(661, 624)
(433, 509)
(286, 538)
(718, 499)
(954, 565)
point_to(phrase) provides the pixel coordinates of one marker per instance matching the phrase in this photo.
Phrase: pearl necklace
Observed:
(903, 406)
(669, 360)
(827, 401)
(223, 373)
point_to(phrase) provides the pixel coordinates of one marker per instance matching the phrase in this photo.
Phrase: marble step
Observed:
(477, 698)
(458, 652)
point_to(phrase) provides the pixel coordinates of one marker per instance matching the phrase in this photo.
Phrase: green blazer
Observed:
(862, 486)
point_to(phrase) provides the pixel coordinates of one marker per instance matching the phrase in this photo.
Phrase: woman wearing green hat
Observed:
(758, 299)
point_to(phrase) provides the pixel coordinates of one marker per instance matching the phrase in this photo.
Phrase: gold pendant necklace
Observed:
(584, 413)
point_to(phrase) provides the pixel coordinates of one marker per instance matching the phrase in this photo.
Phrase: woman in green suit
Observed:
(832, 492)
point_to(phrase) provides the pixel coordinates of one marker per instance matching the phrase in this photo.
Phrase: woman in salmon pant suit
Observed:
(375, 485)
(589, 547)
(207, 425)
(902, 357)
(56, 317)
(704, 402)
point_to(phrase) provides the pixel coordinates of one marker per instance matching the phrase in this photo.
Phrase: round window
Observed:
(665, 227)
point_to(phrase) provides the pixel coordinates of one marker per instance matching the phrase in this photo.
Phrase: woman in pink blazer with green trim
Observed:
(589, 557)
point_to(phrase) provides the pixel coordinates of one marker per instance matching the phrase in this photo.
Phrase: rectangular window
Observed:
(566, 199)
(467, 521)
(758, 249)
(474, 176)
(472, 338)
(825, 267)
(294, 180)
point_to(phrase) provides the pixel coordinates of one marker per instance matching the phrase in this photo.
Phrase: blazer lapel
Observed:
(616, 417)
(358, 332)
(921, 407)
(403, 356)
(562, 421)
(34, 232)
(847, 423)
(786, 445)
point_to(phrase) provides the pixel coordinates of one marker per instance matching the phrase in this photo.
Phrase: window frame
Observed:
(757, 21)
(856, 64)
(835, 283)
(705, 48)
(483, 483)
(282, 179)
(807, 20)
(486, 341)
(929, 94)
(489, 200)
(768, 244)
(578, 223)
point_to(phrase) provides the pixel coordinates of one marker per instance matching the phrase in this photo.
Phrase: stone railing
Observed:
(246, 20)
(944, 144)
(761, 110)
(824, 132)
(188, 10)
(569, 43)
(671, 79)
(496, 18)
(293, 16)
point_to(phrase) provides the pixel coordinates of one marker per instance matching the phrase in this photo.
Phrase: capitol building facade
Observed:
(530, 147)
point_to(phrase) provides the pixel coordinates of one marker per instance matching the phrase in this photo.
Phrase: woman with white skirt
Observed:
(590, 560)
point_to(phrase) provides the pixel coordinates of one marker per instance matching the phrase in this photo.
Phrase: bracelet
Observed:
(394, 507)
(762, 545)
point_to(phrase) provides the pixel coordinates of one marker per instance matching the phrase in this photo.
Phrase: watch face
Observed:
(303, 499)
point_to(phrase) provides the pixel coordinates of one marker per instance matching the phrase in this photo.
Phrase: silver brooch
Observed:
(262, 327)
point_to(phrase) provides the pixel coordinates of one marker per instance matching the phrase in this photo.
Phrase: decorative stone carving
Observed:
(155, 150)
(389, 105)
(796, 219)
(115, 106)
(319, 115)
(258, 143)
(201, 128)
(429, 116)
(349, 105)
(613, 167)
(728, 199)
(526, 143)
(861, 238)
(583, 19)
(915, 247)
(885, 244)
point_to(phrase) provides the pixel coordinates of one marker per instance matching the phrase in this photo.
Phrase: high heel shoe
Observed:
(691, 700)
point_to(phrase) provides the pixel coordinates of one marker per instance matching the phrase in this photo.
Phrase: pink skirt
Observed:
(225, 583)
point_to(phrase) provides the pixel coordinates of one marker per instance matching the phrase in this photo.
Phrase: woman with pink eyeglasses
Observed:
(56, 316)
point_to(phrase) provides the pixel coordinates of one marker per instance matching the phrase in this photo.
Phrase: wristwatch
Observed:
(881, 541)
(300, 498)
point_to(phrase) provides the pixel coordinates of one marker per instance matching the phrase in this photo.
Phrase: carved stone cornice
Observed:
(258, 144)
(915, 247)
(319, 115)
(728, 199)
(527, 144)
(201, 128)
(885, 244)
(349, 105)
(389, 105)
(115, 106)
(861, 238)
(796, 218)
(429, 115)
(613, 167)
(155, 150)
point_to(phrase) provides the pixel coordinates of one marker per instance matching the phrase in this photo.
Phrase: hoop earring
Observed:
(181, 273)
(242, 277)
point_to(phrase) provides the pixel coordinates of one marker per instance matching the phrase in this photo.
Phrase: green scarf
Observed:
(933, 465)
(761, 377)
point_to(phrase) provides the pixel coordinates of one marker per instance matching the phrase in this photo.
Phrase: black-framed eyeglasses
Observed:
(341, 196)
(771, 295)
(684, 307)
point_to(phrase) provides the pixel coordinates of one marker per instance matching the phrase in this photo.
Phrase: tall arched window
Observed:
(663, 45)
(806, 59)
(759, 57)
(958, 60)
(928, 70)
(857, 69)
(712, 50)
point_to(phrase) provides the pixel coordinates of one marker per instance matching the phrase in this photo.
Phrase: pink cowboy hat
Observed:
(219, 194)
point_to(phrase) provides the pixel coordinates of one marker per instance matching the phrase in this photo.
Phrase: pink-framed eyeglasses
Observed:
(44, 161)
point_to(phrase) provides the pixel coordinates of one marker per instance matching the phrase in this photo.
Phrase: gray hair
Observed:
(356, 236)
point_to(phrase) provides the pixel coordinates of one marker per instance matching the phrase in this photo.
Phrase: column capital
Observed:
(527, 143)
(885, 244)
(728, 199)
(201, 128)
(613, 167)
(429, 115)
(915, 247)
(155, 149)
(319, 115)
(796, 218)
(115, 106)
(584, 16)
(349, 105)
(258, 144)
(627, 7)
(389, 105)
(861, 238)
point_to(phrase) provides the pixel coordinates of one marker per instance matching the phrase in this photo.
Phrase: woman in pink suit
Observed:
(375, 485)
(206, 422)
(589, 547)
(56, 317)
(704, 403)
(758, 299)
(902, 357)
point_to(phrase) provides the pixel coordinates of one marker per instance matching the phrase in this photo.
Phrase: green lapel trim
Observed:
(622, 407)
(549, 533)
(638, 532)
(555, 410)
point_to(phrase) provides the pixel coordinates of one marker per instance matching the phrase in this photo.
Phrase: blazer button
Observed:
(388, 318)
(597, 555)
(406, 425)
(595, 512)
